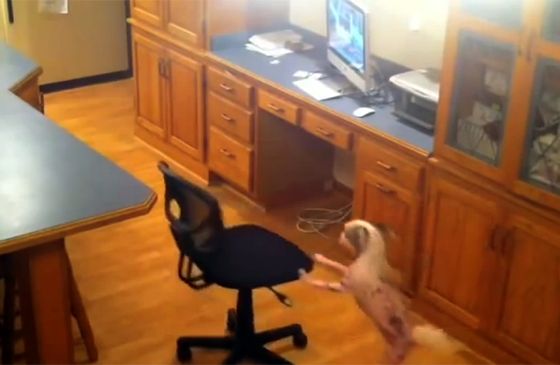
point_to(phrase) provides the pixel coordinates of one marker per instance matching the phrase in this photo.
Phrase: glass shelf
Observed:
(551, 26)
(481, 97)
(542, 149)
(505, 13)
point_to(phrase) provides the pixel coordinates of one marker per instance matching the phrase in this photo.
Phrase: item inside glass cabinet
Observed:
(481, 97)
(543, 167)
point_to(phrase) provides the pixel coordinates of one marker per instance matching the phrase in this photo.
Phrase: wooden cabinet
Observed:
(185, 20)
(148, 66)
(527, 319)
(458, 258)
(169, 96)
(185, 104)
(148, 11)
(378, 200)
(499, 112)
(388, 191)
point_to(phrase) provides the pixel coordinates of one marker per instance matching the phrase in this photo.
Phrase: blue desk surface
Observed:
(50, 182)
(231, 48)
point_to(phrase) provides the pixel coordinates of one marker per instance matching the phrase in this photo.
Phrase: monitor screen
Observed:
(346, 33)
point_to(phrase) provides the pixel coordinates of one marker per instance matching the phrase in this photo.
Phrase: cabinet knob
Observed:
(384, 189)
(226, 87)
(385, 166)
(226, 153)
(324, 132)
(275, 108)
(227, 118)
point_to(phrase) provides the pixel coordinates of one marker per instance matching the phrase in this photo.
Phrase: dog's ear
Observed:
(387, 232)
(357, 235)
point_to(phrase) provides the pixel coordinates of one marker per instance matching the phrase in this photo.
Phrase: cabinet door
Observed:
(148, 11)
(185, 20)
(459, 256)
(536, 140)
(475, 109)
(528, 320)
(185, 104)
(379, 201)
(148, 62)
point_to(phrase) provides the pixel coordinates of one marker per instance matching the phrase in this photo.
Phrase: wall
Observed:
(390, 38)
(3, 21)
(89, 40)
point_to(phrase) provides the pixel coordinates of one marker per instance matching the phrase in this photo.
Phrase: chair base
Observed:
(242, 348)
(244, 343)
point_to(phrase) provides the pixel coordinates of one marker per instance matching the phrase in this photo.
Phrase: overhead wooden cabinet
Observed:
(149, 11)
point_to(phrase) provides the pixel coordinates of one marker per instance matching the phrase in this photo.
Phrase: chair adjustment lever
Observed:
(283, 298)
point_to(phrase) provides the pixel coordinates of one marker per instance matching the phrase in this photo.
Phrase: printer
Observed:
(416, 95)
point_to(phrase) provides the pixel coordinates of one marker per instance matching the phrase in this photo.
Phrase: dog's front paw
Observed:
(318, 257)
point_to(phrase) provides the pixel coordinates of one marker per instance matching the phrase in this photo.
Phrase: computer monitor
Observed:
(348, 42)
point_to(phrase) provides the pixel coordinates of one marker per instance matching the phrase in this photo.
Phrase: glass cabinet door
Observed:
(505, 13)
(551, 24)
(542, 148)
(481, 95)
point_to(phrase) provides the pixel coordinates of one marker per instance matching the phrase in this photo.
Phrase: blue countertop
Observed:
(231, 48)
(51, 184)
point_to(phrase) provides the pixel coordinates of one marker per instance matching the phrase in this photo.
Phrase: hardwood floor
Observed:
(127, 272)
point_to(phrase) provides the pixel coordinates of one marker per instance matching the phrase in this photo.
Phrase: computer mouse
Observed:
(363, 111)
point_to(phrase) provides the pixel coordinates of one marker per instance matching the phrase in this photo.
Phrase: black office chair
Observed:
(243, 258)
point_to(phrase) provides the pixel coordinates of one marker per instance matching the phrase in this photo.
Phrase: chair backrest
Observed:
(195, 218)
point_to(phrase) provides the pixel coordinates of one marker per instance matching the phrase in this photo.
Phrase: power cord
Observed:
(315, 220)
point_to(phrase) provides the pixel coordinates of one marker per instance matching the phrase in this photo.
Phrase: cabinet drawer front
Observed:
(230, 159)
(230, 117)
(230, 87)
(329, 131)
(279, 107)
(376, 157)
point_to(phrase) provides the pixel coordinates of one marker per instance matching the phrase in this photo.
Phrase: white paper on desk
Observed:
(279, 52)
(53, 6)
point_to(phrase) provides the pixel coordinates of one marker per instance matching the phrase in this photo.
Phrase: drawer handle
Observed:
(226, 153)
(385, 166)
(275, 108)
(384, 189)
(226, 87)
(325, 133)
(227, 117)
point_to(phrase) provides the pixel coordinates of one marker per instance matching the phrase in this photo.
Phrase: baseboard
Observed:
(85, 81)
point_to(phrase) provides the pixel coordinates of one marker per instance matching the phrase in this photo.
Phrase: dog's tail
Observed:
(436, 339)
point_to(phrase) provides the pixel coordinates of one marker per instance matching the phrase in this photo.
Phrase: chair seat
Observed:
(250, 257)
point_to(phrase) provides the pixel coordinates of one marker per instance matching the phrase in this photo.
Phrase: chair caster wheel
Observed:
(231, 323)
(300, 340)
(184, 354)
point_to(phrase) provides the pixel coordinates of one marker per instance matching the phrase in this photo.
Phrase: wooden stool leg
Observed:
(9, 314)
(79, 313)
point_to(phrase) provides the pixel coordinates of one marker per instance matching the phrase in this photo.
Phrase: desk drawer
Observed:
(230, 87)
(329, 131)
(379, 158)
(230, 159)
(229, 117)
(279, 107)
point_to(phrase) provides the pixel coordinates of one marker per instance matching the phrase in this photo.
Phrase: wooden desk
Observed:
(51, 186)
(283, 141)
